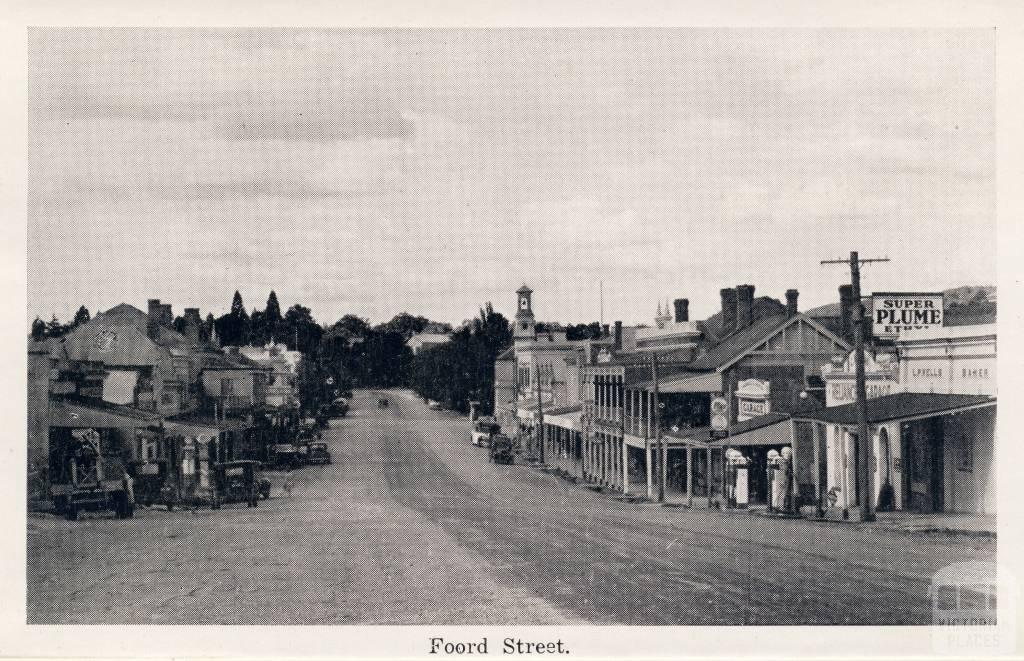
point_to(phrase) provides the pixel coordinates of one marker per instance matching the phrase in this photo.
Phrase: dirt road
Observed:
(412, 525)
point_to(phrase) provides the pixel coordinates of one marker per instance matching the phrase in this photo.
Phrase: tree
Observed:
(180, 323)
(38, 329)
(591, 331)
(272, 317)
(405, 325)
(300, 330)
(81, 317)
(56, 329)
(258, 333)
(234, 327)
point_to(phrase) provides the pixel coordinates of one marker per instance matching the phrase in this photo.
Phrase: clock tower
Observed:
(525, 322)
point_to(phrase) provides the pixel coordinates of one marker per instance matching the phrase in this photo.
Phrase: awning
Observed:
(710, 382)
(75, 415)
(779, 432)
(199, 428)
(900, 406)
(569, 421)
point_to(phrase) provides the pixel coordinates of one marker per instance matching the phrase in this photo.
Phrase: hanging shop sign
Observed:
(719, 414)
(894, 313)
(752, 396)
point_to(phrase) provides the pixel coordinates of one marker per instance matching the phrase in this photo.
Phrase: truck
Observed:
(91, 478)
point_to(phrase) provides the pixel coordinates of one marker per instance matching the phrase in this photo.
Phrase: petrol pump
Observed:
(780, 480)
(738, 484)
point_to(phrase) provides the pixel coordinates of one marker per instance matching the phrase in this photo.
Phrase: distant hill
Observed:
(964, 306)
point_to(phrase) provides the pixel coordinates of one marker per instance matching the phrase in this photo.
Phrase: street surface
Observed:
(412, 525)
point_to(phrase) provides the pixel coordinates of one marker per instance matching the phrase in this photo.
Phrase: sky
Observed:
(377, 171)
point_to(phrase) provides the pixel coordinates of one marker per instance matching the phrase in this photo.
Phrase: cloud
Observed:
(316, 117)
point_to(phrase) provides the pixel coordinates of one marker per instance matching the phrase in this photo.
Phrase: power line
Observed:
(863, 438)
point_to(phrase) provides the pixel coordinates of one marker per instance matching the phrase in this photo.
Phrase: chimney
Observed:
(606, 331)
(846, 310)
(744, 306)
(192, 323)
(728, 310)
(791, 307)
(153, 318)
(166, 316)
(618, 336)
(682, 306)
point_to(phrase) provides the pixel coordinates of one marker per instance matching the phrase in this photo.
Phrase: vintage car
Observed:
(152, 485)
(434, 406)
(502, 450)
(483, 429)
(236, 482)
(309, 431)
(286, 454)
(339, 407)
(318, 453)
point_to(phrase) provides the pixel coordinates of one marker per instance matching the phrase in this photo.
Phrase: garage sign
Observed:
(894, 313)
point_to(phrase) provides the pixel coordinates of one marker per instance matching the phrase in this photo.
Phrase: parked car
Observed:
(318, 453)
(286, 454)
(483, 429)
(339, 407)
(151, 483)
(236, 482)
(308, 431)
(434, 406)
(501, 450)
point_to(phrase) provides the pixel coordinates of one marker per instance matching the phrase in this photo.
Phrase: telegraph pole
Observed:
(863, 438)
(540, 416)
(659, 464)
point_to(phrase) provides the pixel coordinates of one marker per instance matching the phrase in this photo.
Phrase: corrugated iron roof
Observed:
(738, 342)
(899, 405)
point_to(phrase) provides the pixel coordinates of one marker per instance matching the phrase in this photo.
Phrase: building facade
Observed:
(931, 421)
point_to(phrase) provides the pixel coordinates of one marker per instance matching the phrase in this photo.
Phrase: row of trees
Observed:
(462, 370)
(54, 328)
(296, 328)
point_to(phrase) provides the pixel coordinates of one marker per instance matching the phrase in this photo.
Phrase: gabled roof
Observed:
(764, 306)
(899, 406)
(745, 340)
(129, 315)
(740, 341)
(507, 354)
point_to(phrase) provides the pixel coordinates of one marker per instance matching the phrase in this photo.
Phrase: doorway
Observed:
(924, 467)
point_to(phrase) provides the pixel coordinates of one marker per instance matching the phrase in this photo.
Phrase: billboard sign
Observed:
(893, 313)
